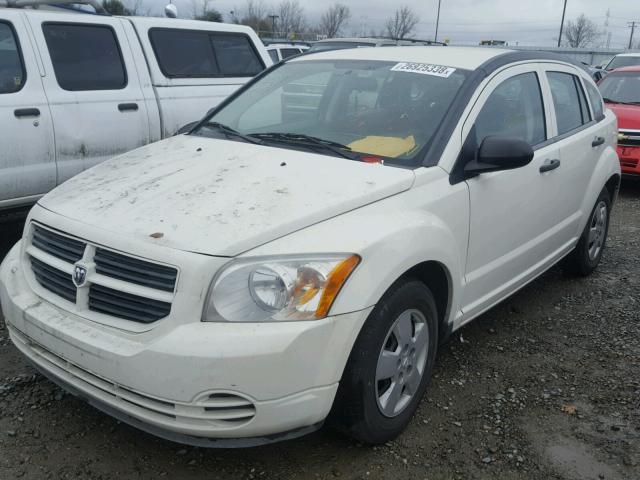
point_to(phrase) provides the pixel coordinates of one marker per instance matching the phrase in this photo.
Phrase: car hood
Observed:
(219, 197)
(628, 115)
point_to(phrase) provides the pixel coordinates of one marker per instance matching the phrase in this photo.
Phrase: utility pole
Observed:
(437, 21)
(273, 25)
(633, 29)
(564, 10)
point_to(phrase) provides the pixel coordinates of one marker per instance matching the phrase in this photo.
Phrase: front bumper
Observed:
(629, 159)
(207, 384)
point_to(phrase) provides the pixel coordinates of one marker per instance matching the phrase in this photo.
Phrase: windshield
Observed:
(324, 46)
(619, 62)
(621, 87)
(387, 110)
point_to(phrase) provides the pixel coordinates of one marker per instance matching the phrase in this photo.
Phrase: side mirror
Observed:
(499, 153)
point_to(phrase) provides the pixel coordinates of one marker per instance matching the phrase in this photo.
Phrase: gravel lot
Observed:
(545, 386)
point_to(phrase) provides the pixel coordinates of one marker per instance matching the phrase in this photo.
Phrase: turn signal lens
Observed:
(336, 280)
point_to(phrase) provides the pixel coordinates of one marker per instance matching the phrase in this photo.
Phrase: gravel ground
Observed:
(544, 386)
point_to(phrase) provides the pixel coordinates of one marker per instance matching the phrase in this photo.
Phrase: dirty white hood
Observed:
(219, 197)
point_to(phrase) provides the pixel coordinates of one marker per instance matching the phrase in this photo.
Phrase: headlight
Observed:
(278, 289)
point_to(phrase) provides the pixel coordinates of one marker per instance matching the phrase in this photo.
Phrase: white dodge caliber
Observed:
(302, 252)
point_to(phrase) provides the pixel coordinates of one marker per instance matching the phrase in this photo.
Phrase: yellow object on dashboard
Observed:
(384, 146)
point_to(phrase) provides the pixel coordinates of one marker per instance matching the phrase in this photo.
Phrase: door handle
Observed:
(549, 165)
(597, 142)
(26, 112)
(128, 107)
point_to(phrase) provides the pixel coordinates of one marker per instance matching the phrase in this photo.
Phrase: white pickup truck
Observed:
(77, 89)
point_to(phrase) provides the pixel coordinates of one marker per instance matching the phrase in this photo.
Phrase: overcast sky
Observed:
(525, 22)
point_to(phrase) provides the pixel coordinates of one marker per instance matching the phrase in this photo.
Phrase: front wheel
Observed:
(390, 364)
(584, 259)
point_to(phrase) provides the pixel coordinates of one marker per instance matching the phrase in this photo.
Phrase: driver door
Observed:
(514, 230)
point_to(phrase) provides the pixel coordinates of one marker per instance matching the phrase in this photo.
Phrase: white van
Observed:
(77, 89)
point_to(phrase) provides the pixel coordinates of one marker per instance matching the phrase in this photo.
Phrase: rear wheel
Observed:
(584, 259)
(390, 364)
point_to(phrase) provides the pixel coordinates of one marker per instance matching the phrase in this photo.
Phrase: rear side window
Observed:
(274, 56)
(289, 52)
(596, 101)
(12, 73)
(569, 101)
(201, 54)
(514, 109)
(85, 57)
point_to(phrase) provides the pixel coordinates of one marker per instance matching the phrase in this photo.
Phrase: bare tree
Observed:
(202, 10)
(291, 18)
(402, 24)
(254, 14)
(334, 19)
(581, 33)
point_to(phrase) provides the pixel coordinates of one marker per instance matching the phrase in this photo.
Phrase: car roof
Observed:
(356, 40)
(468, 58)
(285, 45)
(633, 68)
(635, 54)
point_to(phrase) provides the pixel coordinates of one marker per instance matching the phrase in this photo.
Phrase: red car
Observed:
(621, 92)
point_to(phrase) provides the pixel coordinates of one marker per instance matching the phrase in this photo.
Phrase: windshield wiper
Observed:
(230, 132)
(310, 141)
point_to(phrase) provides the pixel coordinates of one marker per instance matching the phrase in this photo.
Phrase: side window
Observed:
(596, 101)
(12, 73)
(85, 57)
(274, 56)
(200, 54)
(568, 101)
(236, 56)
(289, 52)
(514, 109)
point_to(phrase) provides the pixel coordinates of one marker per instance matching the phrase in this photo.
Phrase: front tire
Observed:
(584, 259)
(390, 365)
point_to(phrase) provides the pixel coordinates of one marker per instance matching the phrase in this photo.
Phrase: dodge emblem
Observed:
(79, 275)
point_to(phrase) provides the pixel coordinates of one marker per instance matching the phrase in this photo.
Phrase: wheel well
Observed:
(612, 186)
(435, 276)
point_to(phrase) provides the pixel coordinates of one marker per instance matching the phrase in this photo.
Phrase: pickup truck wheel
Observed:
(390, 364)
(584, 259)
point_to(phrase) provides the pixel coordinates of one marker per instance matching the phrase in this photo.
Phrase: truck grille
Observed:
(123, 305)
(54, 280)
(135, 271)
(122, 286)
(59, 246)
(629, 138)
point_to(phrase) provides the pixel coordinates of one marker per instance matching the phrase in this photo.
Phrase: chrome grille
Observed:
(119, 286)
(54, 280)
(629, 138)
(135, 271)
(59, 246)
(124, 305)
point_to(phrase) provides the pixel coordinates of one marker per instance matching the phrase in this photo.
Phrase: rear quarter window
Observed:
(203, 54)
(596, 101)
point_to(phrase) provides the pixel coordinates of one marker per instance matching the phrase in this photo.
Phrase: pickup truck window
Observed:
(201, 54)
(12, 73)
(569, 101)
(514, 109)
(85, 57)
(289, 52)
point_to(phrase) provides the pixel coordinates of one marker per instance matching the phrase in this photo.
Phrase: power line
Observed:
(564, 10)
(633, 29)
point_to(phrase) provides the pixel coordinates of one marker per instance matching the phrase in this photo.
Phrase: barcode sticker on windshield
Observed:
(424, 68)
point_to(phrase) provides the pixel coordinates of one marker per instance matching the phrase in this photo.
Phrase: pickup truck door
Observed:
(27, 160)
(514, 231)
(93, 89)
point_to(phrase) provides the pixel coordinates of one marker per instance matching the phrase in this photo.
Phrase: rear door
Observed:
(576, 135)
(94, 93)
(27, 159)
